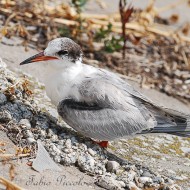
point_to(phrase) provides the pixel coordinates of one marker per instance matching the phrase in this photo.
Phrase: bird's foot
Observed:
(102, 144)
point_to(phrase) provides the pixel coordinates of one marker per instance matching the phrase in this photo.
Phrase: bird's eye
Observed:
(62, 52)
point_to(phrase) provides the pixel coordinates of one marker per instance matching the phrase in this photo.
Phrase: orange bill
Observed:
(38, 57)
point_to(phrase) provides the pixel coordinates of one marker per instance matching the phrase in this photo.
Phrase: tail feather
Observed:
(182, 134)
(172, 122)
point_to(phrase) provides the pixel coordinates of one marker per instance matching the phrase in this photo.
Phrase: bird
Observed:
(98, 103)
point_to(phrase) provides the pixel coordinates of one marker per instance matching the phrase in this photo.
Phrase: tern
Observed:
(96, 102)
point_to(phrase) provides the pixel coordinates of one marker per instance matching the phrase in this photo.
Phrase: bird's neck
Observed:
(59, 81)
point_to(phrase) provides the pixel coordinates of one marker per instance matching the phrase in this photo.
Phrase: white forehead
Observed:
(53, 46)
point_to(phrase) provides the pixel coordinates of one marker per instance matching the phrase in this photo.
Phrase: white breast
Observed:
(64, 83)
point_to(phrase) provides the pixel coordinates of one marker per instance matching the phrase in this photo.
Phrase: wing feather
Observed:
(109, 108)
(108, 111)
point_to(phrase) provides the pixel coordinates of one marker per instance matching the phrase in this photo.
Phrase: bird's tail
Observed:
(172, 122)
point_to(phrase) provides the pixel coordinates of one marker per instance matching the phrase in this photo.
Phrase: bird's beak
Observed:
(38, 57)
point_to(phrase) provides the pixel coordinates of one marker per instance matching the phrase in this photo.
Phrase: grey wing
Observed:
(105, 111)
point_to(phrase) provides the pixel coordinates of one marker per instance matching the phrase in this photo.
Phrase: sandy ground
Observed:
(70, 178)
(179, 164)
(112, 6)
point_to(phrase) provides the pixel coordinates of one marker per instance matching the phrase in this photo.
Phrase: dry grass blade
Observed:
(6, 156)
(9, 184)
(12, 172)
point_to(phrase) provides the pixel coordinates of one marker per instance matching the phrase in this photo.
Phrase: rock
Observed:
(170, 181)
(67, 150)
(132, 186)
(131, 175)
(86, 162)
(25, 123)
(30, 140)
(68, 144)
(28, 133)
(57, 158)
(83, 147)
(112, 166)
(50, 132)
(74, 140)
(3, 98)
(91, 152)
(145, 180)
(185, 149)
(68, 159)
(54, 138)
(43, 161)
(54, 149)
(5, 116)
(43, 133)
(146, 174)
(110, 183)
(2, 64)
(158, 180)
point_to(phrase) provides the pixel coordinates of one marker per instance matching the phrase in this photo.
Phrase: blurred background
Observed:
(146, 41)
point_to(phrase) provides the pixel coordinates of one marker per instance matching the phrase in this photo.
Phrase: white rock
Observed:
(112, 166)
(2, 64)
(109, 183)
(145, 179)
(132, 186)
(67, 150)
(131, 175)
(68, 143)
(185, 149)
(91, 152)
(55, 149)
(30, 140)
(25, 123)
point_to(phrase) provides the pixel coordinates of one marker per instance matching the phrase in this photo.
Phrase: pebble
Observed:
(68, 150)
(3, 98)
(131, 175)
(132, 186)
(145, 180)
(109, 183)
(68, 144)
(91, 152)
(30, 140)
(83, 147)
(57, 158)
(50, 132)
(43, 133)
(74, 140)
(54, 138)
(146, 174)
(112, 166)
(25, 123)
(158, 180)
(5, 116)
(69, 159)
(28, 133)
(55, 149)
(86, 163)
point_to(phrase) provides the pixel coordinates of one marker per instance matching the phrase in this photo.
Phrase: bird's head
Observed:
(62, 49)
